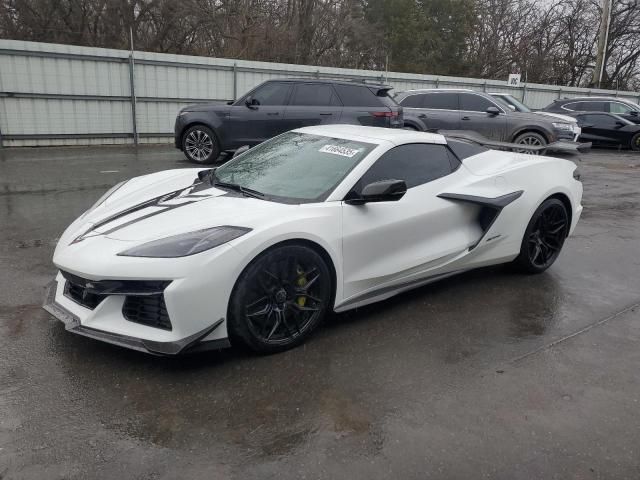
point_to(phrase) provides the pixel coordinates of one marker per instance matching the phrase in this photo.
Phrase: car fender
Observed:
(319, 230)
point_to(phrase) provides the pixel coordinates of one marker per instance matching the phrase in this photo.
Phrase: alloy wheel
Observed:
(532, 141)
(288, 294)
(199, 145)
(547, 235)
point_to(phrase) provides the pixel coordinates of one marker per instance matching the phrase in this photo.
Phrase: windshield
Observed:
(520, 107)
(295, 167)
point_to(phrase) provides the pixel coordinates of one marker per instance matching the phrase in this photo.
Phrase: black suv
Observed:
(618, 106)
(202, 131)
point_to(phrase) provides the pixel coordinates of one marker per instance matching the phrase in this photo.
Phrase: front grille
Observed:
(147, 310)
(79, 294)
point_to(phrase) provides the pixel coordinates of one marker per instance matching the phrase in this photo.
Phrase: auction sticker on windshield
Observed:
(338, 150)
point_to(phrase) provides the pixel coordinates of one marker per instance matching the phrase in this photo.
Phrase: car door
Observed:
(259, 115)
(625, 111)
(387, 244)
(601, 129)
(440, 111)
(474, 116)
(312, 104)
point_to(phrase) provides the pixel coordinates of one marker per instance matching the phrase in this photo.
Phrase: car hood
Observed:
(209, 107)
(169, 203)
(529, 116)
(564, 118)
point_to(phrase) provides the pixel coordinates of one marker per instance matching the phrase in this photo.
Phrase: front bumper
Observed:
(77, 319)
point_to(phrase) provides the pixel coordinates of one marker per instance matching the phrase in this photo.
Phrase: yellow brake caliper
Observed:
(302, 281)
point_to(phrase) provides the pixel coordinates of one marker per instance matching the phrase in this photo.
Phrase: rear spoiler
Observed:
(561, 146)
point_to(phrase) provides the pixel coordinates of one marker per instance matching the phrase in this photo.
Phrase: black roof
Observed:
(592, 99)
(357, 82)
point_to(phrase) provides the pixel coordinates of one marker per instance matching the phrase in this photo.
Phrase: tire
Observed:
(533, 139)
(200, 145)
(280, 299)
(635, 142)
(544, 237)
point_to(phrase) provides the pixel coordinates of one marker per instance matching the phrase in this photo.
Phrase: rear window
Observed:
(360, 96)
(309, 94)
(465, 149)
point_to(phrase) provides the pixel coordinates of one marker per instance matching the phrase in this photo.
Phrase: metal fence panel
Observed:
(67, 95)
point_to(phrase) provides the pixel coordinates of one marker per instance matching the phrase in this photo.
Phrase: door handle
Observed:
(273, 114)
(465, 118)
(326, 114)
(422, 115)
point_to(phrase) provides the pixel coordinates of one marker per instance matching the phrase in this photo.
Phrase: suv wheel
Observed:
(532, 139)
(199, 144)
(635, 142)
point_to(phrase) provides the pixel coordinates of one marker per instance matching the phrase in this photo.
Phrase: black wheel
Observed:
(280, 299)
(544, 237)
(532, 139)
(635, 142)
(199, 144)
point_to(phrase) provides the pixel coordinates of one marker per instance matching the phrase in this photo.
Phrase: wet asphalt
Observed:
(490, 374)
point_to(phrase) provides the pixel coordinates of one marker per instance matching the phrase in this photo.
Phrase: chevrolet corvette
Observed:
(259, 250)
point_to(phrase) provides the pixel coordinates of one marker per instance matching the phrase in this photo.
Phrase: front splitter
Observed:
(72, 324)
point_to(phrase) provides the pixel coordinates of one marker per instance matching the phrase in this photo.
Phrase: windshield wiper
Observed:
(247, 192)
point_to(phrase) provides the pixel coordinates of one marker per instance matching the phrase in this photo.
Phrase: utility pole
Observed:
(603, 38)
(132, 87)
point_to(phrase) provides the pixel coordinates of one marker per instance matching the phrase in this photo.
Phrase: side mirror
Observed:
(230, 102)
(382, 191)
(634, 113)
(620, 124)
(251, 102)
(493, 111)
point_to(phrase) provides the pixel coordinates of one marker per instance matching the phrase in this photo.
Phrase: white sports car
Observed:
(323, 218)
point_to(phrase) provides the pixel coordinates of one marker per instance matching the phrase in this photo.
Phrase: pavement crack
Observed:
(574, 334)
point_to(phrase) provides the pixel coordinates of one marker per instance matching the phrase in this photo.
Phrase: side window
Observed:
(600, 121)
(273, 93)
(357, 96)
(310, 94)
(615, 107)
(412, 101)
(415, 163)
(474, 103)
(584, 106)
(441, 101)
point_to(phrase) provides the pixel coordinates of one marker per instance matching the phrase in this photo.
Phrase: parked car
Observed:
(202, 131)
(517, 106)
(619, 106)
(456, 109)
(319, 219)
(608, 129)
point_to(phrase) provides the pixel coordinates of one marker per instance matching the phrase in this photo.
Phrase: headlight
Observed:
(104, 197)
(563, 126)
(186, 244)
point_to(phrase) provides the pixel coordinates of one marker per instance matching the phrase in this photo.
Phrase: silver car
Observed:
(459, 109)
